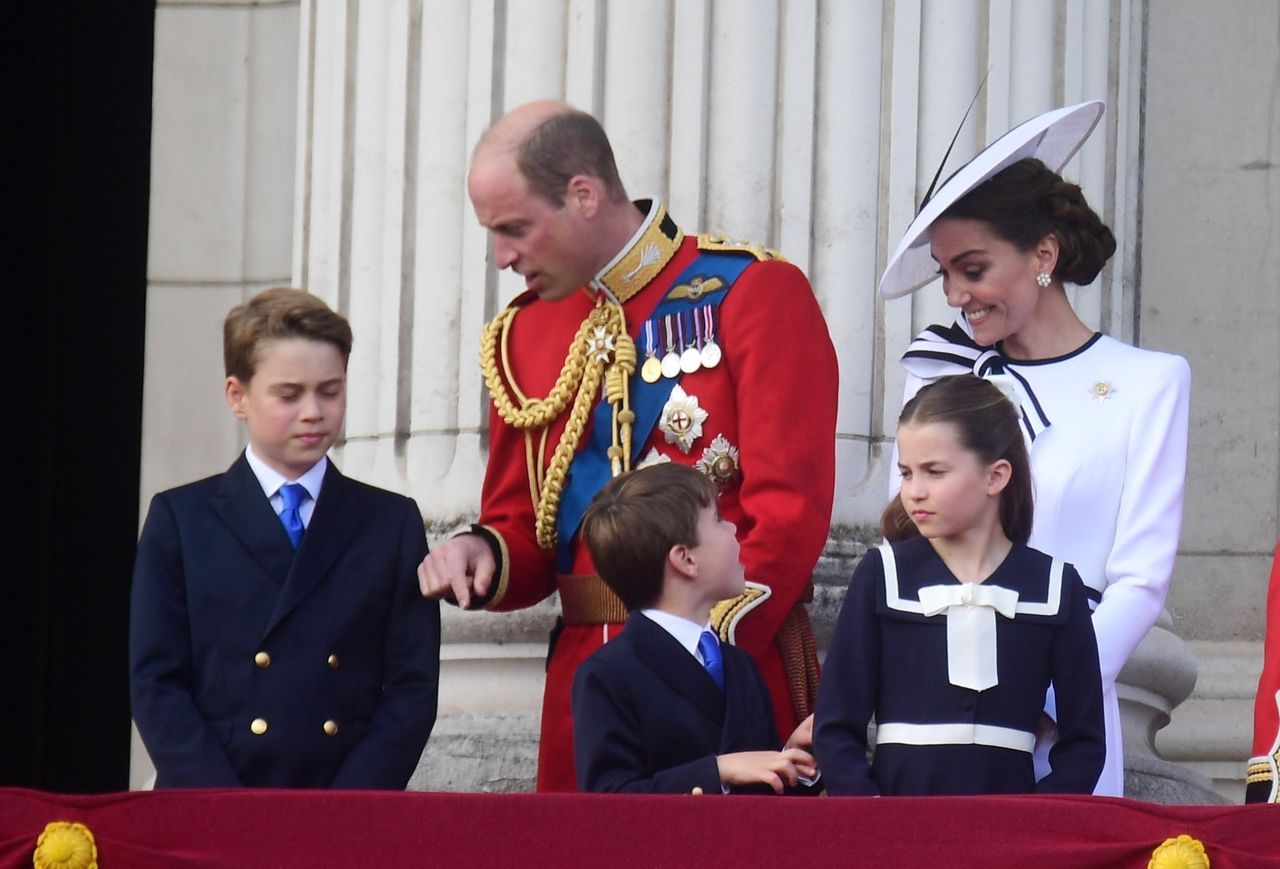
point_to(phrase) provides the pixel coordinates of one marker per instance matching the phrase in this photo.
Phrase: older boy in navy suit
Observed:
(277, 636)
(665, 707)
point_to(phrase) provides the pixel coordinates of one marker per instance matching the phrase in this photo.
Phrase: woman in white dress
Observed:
(1106, 423)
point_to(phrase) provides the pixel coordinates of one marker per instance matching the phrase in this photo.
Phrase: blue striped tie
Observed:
(293, 495)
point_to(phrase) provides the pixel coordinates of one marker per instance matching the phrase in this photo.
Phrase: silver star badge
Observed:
(682, 419)
(719, 461)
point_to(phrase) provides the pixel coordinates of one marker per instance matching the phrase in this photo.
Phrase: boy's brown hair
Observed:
(634, 521)
(280, 312)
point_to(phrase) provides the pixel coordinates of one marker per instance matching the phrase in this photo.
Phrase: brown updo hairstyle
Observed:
(987, 424)
(1028, 201)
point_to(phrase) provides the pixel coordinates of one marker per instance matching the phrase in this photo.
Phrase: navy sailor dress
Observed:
(954, 675)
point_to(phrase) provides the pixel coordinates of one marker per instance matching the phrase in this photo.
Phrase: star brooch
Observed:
(719, 461)
(1101, 390)
(682, 419)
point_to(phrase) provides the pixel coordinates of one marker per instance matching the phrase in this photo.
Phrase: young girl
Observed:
(952, 632)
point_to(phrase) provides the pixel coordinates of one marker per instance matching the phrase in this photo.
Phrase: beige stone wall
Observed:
(222, 177)
(1210, 290)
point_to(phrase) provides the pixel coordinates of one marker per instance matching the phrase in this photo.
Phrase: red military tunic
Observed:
(772, 396)
(1261, 778)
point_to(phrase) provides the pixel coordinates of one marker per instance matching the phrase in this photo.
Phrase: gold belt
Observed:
(586, 600)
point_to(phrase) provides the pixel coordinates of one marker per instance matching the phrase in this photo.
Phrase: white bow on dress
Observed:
(971, 628)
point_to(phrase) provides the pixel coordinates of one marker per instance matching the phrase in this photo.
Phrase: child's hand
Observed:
(802, 736)
(777, 769)
(1047, 730)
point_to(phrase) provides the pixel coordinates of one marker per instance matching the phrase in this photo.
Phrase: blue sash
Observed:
(591, 468)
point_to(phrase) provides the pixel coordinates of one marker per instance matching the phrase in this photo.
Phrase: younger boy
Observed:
(277, 637)
(665, 707)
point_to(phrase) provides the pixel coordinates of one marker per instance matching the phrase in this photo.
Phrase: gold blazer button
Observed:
(262, 659)
(258, 726)
(331, 727)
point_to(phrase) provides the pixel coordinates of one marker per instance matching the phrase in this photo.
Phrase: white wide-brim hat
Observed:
(1053, 138)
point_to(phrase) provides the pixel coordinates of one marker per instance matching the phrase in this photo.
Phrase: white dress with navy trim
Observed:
(1108, 461)
(954, 674)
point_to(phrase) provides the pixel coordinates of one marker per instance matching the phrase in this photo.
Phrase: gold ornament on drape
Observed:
(65, 845)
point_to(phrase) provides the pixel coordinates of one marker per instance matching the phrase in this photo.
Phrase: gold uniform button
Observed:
(333, 662)
(258, 726)
(262, 659)
(331, 727)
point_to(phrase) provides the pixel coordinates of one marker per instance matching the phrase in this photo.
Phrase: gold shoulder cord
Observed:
(708, 241)
(601, 350)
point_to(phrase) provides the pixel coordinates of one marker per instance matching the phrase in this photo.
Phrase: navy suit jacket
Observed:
(331, 647)
(648, 718)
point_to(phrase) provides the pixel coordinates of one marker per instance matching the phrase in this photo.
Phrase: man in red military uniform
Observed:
(1262, 778)
(632, 344)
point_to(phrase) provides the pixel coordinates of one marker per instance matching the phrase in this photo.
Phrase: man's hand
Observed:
(777, 769)
(802, 736)
(457, 569)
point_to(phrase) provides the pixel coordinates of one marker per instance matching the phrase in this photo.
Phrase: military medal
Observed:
(651, 371)
(682, 419)
(600, 344)
(670, 365)
(690, 358)
(710, 349)
(719, 461)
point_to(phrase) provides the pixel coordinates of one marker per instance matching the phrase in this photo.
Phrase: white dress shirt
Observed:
(686, 633)
(271, 480)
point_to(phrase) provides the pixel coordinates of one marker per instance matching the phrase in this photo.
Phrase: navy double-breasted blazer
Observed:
(253, 664)
(647, 717)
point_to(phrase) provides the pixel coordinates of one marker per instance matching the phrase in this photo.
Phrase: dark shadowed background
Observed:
(76, 117)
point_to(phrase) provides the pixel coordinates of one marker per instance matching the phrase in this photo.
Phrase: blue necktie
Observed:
(293, 495)
(709, 646)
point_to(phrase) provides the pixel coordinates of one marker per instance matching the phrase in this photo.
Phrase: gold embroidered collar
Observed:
(641, 258)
